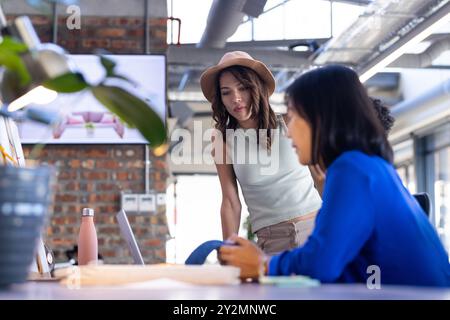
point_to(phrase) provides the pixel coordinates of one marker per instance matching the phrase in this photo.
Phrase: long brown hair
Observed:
(259, 103)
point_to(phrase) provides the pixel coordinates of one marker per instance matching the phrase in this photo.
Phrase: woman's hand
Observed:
(245, 255)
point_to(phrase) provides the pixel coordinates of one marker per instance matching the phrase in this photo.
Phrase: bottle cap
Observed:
(87, 212)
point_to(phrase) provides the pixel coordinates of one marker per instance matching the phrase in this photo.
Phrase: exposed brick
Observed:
(96, 153)
(103, 197)
(96, 43)
(126, 44)
(108, 164)
(135, 175)
(108, 209)
(121, 176)
(135, 32)
(137, 164)
(152, 242)
(66, 198)
(161, 254)
(72, 186)
(159, 164)
(74, 164)
(88, 186)
(106, 186)
(38, 20)
(88, 164)
(66, 175)
(62, 242)
(108, 253)
(93, 21)
(111, 32)
(158, 22)
(74, 212)
(160, 186)
(95, 175)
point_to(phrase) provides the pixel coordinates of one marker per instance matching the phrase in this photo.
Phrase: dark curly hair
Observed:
(384, 114)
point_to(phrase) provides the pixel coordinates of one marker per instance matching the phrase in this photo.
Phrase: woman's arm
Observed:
(344, 224)
(230, 210)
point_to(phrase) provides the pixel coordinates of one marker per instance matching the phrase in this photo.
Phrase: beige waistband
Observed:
(304, 217)
(308, 216)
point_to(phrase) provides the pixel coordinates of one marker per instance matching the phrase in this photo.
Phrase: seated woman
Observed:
(368, 218)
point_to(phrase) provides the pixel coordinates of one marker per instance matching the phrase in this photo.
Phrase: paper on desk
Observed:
(126, 274)
(163, 283)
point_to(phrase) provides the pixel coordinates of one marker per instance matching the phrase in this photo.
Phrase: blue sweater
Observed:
(368, 218)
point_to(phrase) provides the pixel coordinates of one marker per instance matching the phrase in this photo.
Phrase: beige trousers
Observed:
(285, 235)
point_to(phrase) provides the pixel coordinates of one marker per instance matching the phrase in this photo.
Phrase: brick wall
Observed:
(94, 175)
(121, 35)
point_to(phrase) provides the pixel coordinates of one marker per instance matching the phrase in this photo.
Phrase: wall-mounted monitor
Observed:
(84, 120)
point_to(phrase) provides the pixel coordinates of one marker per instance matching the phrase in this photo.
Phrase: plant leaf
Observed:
(108, 64)
(10, 58)
(133, 111)
(12, 45)
(67, 83)
(118, 76)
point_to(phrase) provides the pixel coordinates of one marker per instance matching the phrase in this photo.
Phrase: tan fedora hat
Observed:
(235, 58)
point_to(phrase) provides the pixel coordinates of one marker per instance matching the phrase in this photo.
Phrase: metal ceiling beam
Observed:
(437, 15)
(355, 2)
(424, 59)
(415, 114)
(191, 56)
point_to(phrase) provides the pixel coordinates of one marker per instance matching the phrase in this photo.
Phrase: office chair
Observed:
(424, 201)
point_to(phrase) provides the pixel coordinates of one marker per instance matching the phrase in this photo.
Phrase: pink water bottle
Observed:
(87, 239)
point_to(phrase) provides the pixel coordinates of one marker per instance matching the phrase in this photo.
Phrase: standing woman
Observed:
(368, 222)
(282, 203)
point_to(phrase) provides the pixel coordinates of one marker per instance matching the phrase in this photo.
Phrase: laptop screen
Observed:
(127, 234)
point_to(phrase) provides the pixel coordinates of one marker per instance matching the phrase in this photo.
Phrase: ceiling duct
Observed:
(224, 18)
(426, 58)
(378, 29)
(420, 112)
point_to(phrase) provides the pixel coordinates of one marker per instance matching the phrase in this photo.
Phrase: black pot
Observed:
(24, 200)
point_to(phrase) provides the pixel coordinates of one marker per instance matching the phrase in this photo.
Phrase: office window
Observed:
(442, 194)
(437, 161)
(193, 22)
(193, 216)
(407, 175)
(243, 32)
(404, 163)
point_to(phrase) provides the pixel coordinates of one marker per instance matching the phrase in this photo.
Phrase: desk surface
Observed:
(55, 291)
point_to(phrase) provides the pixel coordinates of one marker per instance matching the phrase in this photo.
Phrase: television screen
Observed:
(84, 119)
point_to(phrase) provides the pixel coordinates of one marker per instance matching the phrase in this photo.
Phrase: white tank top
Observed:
(275, 186)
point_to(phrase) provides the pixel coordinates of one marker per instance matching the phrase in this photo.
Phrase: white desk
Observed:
(55, 291)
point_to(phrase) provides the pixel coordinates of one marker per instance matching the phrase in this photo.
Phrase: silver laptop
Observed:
(127, 234)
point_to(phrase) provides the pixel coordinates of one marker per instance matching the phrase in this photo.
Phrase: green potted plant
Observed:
(24, 191)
